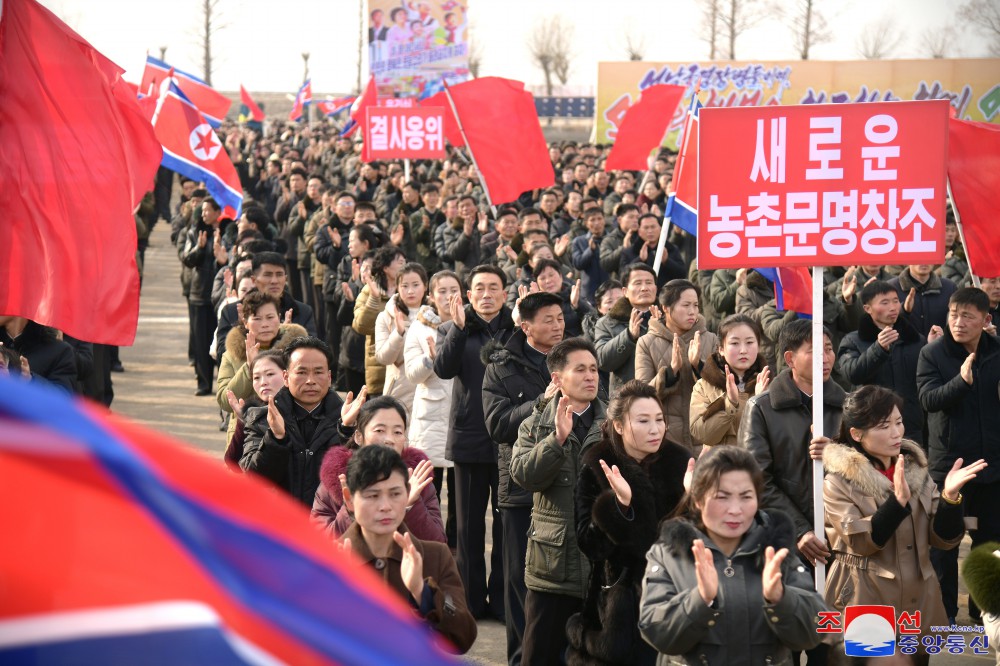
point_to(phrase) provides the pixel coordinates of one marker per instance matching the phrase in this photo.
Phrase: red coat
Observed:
(330, 512)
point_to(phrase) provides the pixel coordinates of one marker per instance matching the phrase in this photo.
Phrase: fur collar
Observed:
(868, 331)
(621, 310)
(906, 282)
(785, 394)
(981, 573)
(495, 351)
(335, 463)
(769, 528)
(714, 373)
(236, 340)
(858, 470)
(428, 316)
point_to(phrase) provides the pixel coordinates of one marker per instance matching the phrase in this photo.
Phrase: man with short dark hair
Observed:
(204, 260)
(884, 351)
(516, 380)
(547, 463)
(287, 438)
(924, 295)
(586, 251)
(616, 333)
(461, 239)
(957, 378)
(469, 443)
(620, 237)
(776, 430)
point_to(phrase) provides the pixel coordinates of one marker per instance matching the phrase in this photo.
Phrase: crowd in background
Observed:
(404, 360)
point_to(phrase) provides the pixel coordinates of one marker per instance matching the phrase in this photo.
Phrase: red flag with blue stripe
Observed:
(331, 107)
(303, 99)
(192, 148)
(125, 547)
(213, 104)
(368, 97)
(682, 205)
(792, 288)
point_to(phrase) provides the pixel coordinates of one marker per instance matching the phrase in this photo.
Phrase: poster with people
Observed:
(413, 45)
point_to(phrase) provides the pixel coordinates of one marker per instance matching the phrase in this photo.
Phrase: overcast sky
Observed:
(262, 42)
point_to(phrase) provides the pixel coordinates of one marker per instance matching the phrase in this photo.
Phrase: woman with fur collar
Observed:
(731, 375)
(884, 513)
(391, 326)
(382, 420)
(720, 587)
(260, 329)
(630, 480)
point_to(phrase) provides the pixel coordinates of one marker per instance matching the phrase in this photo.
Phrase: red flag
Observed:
(368, 97)
(644, 126)
(76, 157)
(974, 174)
(256, 113)
(451, 132)
(213, 104)
(793, 290)
(504, 136)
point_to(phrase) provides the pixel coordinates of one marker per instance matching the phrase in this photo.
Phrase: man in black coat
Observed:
(957, 377)
(287, 438)
(204, 254)
(48, 358)
(469, 443)
(884, 351)
(516, 380)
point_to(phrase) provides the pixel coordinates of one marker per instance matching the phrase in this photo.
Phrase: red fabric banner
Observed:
(644, 127)
(974, 173)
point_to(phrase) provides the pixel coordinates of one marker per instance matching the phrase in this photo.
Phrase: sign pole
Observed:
(976, 282)
(817, 414)
(406, 170)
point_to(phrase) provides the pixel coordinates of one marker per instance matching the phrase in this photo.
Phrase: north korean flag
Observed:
(213, 104)
(192, 149)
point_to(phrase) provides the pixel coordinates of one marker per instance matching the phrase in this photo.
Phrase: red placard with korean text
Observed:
(822, 185)
(400, 133)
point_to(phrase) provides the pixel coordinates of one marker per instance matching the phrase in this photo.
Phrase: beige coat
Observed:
(713, 418)
(389, 353)
(898, 574)
(652, 365)
(366, 311)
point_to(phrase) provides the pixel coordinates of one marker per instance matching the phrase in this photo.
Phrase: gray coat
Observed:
(741, 629)
(615, 347)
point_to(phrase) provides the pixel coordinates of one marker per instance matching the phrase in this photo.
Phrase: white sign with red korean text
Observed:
(822, 185)
(401, 133)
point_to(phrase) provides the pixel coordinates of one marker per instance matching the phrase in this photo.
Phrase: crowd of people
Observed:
(406, 361)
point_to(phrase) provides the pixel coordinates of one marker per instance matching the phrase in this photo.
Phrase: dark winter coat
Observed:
(292, 463)
(201, 261)
(962, 421)
(50, 359)
(606, 631)
(588, 262)
(615, 346)
(512, 387)
(330, 513)
(458, 357)
(930, 307)
(775, 429)
(742, 629)
(863, 361)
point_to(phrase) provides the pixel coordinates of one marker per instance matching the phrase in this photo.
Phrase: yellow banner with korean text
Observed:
(972, 85)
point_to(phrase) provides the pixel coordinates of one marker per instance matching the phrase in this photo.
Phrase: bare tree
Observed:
(210, 26)
(710, 25)
(808, 26)
(475, 51)
(984, 17)
(736, 17)
(635, 46)
(549, 44)
(938, 42)
(879, 39)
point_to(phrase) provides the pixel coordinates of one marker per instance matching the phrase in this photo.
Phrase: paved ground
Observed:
(158, 386)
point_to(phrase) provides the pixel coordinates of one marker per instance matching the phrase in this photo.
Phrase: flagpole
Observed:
(665, 228)
(472, 156)
(976, 282)
(817, 416)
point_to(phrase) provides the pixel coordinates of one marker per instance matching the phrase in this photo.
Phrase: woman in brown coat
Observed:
(670, 356)
(379, 287)
(422, 572)
(884, 513)
(731, 375)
